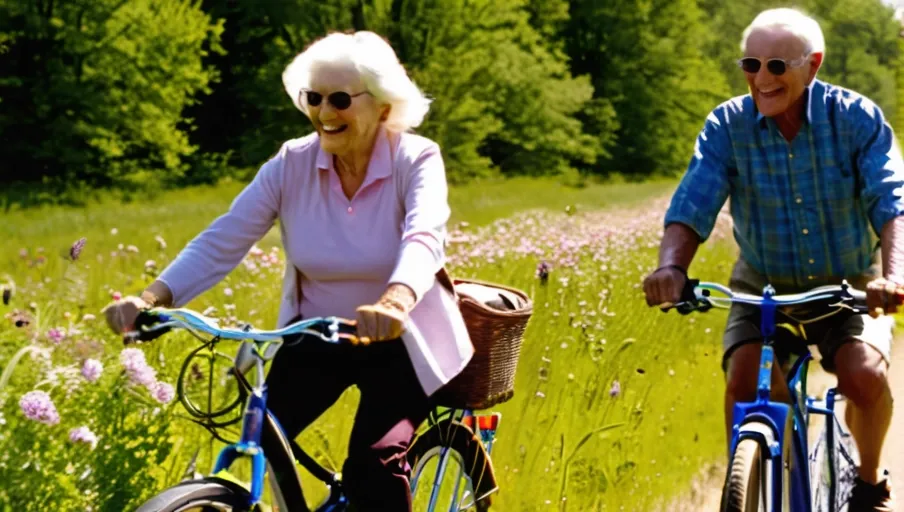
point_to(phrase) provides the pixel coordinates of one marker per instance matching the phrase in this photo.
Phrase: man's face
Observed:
(775, 93)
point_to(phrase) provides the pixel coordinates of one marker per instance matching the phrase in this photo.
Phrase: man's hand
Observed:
(664, 286)
(883, 296)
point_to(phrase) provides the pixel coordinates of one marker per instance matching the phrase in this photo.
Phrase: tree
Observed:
(94, 90)
(653, 85)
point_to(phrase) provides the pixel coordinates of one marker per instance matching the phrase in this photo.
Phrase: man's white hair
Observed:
(380, 70)
(794, 21)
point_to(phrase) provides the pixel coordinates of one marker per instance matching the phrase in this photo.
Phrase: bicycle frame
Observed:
(774, 415)
(261, 430)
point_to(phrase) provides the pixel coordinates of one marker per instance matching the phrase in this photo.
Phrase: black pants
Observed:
(307, 378)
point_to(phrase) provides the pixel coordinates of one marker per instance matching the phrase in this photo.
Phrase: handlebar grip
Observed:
(146, 319)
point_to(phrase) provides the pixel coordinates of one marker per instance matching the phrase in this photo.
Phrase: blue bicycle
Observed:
(772, 467)
(451, 435)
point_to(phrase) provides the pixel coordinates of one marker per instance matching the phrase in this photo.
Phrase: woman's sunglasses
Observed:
(340, 100)
(775, 66)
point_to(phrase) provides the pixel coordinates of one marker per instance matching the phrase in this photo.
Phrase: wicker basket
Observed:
(489, 378)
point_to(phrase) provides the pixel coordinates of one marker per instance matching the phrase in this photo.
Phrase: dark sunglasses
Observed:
(339, 99)
(775, 66)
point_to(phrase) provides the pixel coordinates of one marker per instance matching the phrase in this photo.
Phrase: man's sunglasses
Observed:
(339, 99)
(775, 66)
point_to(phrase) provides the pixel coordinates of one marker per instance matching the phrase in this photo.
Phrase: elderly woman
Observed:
(362, 205)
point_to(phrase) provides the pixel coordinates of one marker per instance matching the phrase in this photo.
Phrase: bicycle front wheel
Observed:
(744, 488)
(208, 495)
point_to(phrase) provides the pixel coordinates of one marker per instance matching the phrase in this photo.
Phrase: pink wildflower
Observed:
(56, 335)
(92, 369)
(83, 435)
(37, 406)
(162, 392)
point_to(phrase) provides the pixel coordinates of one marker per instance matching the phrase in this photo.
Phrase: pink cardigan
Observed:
(392, 231)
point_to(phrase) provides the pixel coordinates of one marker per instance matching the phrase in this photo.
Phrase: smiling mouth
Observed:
(771, 93)
(332, 130)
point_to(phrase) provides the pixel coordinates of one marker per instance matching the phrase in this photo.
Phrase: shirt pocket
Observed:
(839, 183)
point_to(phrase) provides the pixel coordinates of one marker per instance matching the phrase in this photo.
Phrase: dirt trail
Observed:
(705, 493)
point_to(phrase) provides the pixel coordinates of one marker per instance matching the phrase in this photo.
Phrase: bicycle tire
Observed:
(205, 495)
(473, 456)
(744, 484)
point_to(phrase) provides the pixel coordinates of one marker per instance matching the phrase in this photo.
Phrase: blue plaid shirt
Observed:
(802, 210)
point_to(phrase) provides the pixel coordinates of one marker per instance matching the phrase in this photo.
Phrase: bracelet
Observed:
(677, 267)
(393, 303)
(150, 298)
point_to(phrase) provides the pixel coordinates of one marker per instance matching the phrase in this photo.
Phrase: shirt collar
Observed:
(379, 166)
(808, 108)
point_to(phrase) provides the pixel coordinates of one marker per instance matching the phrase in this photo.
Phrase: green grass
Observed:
(664, 424)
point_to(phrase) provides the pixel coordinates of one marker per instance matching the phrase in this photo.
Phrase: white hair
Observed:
(380, 70)
(794, 21)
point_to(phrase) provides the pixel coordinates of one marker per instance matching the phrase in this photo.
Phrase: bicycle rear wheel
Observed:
(207, 495)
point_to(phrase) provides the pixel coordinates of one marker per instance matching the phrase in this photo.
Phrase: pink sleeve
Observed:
(222, 246)
(422, 253)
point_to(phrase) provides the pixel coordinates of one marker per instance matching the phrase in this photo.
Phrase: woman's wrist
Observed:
(157, 294)
(398, 296)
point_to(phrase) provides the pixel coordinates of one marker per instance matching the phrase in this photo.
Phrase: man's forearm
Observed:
(679, 245)
(892, 239)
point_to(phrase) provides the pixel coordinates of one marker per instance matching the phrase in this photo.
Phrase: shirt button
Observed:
(812, 261)
(798, 200)
(790, 155)
(350, 210)
(811, 278)
(805, 231)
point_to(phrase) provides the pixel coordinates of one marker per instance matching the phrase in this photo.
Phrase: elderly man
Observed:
(810, 167)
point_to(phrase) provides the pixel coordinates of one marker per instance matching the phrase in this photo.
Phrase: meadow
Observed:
(617, 406)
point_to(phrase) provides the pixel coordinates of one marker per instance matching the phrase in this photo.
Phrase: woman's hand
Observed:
(121, 315)
(386, 319)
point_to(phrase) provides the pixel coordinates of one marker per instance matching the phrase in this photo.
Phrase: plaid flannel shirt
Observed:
(803, 210)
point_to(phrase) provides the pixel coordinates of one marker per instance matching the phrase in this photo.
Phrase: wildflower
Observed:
(161, 243)
(114, 231)
(615, 390)
(543, 272)
(56, 335)
(37, 406)
(23, 253)
(76, 250)
(150, 265)
(88, 317)
(92, 369)
(132, 248)
(227, 292)
(83, 435)
(136, 366)
(116, 296)
(162, 392)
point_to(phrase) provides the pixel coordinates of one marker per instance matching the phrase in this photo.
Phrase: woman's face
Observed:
(343, 131)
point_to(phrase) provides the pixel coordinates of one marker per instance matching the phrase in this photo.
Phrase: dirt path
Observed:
(705, 493)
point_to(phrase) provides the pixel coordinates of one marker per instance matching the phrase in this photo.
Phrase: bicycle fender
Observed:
(454, 434)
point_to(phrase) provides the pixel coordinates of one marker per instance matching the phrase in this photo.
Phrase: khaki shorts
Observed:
(826, 335)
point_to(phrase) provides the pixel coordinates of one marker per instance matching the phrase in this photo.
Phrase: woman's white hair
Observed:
(794, 21)
(380, 70)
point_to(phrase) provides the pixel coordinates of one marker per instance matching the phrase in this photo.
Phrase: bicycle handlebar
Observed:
(155, 322)
(697, 296)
